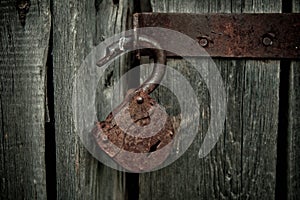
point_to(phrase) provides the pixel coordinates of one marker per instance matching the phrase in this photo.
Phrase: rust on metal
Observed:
(272, 35)
(141, 116)
(117, 141)
(138, 133)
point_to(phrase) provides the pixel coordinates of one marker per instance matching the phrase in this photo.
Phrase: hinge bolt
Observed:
(268, 39)
(203, 42)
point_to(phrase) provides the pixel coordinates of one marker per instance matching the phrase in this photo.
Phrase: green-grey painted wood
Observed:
(293, 176)
(23, 56)
(78, 27)
(242, 165)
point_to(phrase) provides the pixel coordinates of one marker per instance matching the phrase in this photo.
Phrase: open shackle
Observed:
(124, 44)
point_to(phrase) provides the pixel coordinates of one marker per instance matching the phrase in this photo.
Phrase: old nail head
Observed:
(268, 39)
(203, 42)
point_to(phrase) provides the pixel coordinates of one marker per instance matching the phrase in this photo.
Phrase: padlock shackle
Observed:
(126, 43)
(159, 68)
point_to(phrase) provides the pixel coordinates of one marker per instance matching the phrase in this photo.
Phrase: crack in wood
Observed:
(23, 8)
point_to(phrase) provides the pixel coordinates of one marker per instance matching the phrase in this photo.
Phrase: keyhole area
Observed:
(154, 147)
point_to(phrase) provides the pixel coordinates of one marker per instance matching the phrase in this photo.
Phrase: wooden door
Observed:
(42, 156)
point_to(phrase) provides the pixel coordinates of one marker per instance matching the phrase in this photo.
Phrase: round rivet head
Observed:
(139, 100)
(104, 138)
(267, 41)
(203, 42)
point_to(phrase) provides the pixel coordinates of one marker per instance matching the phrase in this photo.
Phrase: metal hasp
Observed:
(272, 35)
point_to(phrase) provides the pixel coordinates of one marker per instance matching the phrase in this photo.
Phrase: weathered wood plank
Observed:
(23, 56)
(78, 27)
(293, 176)
(293, 133)
(112, 19)
(243, 163)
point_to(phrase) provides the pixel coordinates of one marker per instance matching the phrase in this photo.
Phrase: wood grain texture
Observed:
(242, 165)
(78, 27)
(23, 56)
(293, 175)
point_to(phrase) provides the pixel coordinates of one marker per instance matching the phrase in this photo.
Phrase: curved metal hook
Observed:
(124, 44)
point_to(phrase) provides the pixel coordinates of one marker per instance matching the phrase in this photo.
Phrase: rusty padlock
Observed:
(138, 134)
